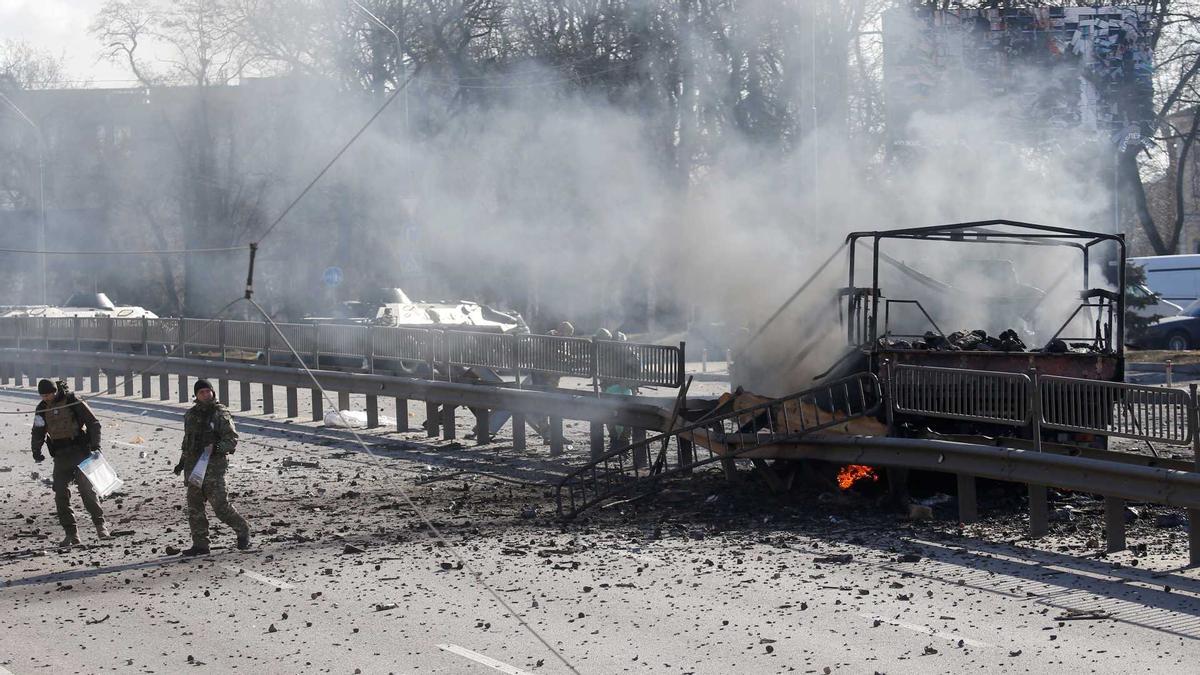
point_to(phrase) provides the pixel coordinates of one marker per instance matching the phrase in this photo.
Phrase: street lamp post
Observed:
(399, 56)
(41, 190)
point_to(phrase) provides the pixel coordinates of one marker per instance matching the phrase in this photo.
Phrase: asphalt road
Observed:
(345, 576)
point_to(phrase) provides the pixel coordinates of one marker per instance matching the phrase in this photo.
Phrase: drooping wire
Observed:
(332, 161)
(174, 251)
(478, 576)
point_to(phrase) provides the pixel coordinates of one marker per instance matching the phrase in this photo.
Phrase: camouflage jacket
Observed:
(207, 424)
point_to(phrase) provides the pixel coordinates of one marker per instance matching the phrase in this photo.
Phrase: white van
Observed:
(1174, 277)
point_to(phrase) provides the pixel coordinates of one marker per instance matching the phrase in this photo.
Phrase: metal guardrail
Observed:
(630, 466)
(533, 403)
(973, 395)
(358, 347)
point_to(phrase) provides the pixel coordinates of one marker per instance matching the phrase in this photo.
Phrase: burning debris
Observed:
(851, 474)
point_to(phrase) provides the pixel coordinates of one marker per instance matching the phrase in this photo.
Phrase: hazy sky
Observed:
(61, 27)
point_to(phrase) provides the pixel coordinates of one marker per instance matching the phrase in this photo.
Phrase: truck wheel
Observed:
(1177, 342)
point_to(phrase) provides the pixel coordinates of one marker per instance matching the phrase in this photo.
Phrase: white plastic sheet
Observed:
(100, 474)
(196, 477)
(352, 419)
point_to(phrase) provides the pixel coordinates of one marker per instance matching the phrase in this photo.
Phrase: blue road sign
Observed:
(332, 276)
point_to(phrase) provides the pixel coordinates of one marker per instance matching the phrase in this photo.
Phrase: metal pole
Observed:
(399, 57)
(1039, 508)
(1194, 514)
(1117, 191)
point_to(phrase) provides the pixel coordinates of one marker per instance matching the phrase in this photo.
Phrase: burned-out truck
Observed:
(942, 297)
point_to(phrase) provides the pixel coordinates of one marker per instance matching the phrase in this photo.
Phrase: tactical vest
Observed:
(203, 430)
(61, 423)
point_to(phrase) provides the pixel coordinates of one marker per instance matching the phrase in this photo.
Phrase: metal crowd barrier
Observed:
(952, 393)
(359, 346)
(551, 354)
(1155, 414)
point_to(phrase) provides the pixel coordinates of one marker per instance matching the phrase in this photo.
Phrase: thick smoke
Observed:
(565, 204)
(559, 204)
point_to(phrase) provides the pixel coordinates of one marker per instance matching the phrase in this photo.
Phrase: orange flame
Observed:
(852, 473)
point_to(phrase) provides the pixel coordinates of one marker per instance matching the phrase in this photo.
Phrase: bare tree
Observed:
(198, 45)
(123, 27)
(1177, 97)
(23, 66)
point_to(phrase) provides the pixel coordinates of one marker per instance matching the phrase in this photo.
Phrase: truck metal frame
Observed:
(867, 316)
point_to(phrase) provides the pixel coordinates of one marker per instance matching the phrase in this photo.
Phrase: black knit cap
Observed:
(46, 387)
(201, 384)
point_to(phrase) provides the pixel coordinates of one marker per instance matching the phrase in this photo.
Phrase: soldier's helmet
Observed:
(603, 334)
(565, 329)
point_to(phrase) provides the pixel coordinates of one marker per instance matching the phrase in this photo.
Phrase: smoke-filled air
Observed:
(673, 170)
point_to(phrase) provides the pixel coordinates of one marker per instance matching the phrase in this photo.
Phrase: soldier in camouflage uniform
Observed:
(68, 428)
(207, 424)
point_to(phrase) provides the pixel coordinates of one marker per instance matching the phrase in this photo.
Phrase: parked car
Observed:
(1174, 277)
(1175, 332)
(1155, 305)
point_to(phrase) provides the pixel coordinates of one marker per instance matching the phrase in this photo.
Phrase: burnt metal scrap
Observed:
(979, 341)
(973, 340)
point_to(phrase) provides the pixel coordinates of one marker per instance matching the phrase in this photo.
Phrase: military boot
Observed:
(195, 551)
(71, 539)
(102, 530)
(243, 540)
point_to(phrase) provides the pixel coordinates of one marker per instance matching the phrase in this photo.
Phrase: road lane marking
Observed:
(485, 660)
(951, 637)
(242, 571)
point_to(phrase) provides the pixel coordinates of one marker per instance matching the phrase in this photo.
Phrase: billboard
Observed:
(1043, 69)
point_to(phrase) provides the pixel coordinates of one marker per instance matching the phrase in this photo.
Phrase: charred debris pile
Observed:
(980, 341)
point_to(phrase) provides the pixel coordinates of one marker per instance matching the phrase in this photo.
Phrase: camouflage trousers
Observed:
(66, 471)
(213, 492)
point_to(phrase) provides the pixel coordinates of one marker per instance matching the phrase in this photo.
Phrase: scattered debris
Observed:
(288, 462)
(1168, 520)
(1084, 615)
(919, 512)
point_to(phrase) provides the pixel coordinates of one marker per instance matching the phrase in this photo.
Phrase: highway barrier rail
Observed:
(544, 410)
(420, 352)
